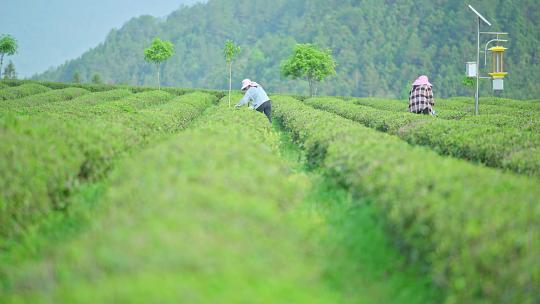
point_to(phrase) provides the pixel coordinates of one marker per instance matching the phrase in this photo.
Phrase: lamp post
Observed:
(473, 69)
(477, 95)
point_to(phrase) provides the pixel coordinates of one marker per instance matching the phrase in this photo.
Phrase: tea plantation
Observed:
(120, 194)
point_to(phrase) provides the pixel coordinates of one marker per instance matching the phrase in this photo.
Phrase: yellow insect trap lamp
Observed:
(498, 61)
(498, 67)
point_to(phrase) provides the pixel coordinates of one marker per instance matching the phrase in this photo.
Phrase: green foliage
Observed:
(503, 103)
(381, 47)
(47, 155)
(473, 227)
(230, 51)
(196, 199)
(461, 107)
(190, 216)
(365, 267)
(105, 87)
(8, 46)
(96, 79)
(76, 78)
(158, 52)
(46, 97)
(77, 106)
(10, 72)
(309, 63)
(491, 141)
(468, 82)
(22, 91)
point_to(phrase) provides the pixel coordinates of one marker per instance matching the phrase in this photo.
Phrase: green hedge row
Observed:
(509, 147)
(205, 215)
(97, 103)
(524, 121)
(22, 91)
(506, 122)
(528, 105)
(106, 87)
(384, 104)
(62, 85)
(43, 157)
(43, 98)
(461, 107)
(75, 106)
(467, 109)
(455, 108)
(475, 228)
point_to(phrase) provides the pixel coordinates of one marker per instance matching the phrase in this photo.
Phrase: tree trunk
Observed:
(1, 62)
(310, 81)
(158, 81)
(230, 82)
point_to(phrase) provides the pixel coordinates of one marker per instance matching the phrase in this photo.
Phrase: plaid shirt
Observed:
(421, 98)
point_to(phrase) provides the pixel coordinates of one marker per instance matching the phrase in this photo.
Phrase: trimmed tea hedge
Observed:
(205, 216)
(105, 87)
(43, 98)
(43, 157)
(76, 105)
(460, 107)
(527, 105)
(475, 228)
(22, 91)
(503, 147)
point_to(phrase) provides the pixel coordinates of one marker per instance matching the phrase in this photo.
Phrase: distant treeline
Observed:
(379, 46)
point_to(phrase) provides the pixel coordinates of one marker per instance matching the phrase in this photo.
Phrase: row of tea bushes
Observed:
(24, 90)
(461, 107)
(42, 98)
(106, 87)
(44, 157)
(76, 106)
(509, 147)
(475, 228)
(208, 216)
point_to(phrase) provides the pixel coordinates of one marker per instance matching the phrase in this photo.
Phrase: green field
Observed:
(119, 194)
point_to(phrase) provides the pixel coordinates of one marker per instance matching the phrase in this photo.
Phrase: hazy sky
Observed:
(51, 31)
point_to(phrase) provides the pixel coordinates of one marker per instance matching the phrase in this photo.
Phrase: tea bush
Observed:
(44, 157)
(206, 216)
(476, 229)
(21, 91)
(471, 138)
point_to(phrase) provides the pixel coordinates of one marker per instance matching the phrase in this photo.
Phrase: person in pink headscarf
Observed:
(421, 96)
(258, 97)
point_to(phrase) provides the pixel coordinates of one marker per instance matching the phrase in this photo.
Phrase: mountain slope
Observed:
(380, 46)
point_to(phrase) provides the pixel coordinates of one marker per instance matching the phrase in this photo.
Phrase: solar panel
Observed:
(479, 15)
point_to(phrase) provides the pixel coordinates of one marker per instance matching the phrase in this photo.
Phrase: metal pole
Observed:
(476, 97)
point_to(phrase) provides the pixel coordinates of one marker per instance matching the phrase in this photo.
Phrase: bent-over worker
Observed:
(259, 98)
(421, 97)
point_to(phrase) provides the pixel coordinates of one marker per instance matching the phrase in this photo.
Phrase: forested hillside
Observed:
(380, 46)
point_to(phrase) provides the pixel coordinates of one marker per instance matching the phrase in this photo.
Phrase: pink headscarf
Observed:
(422, 80)
(248, 83)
